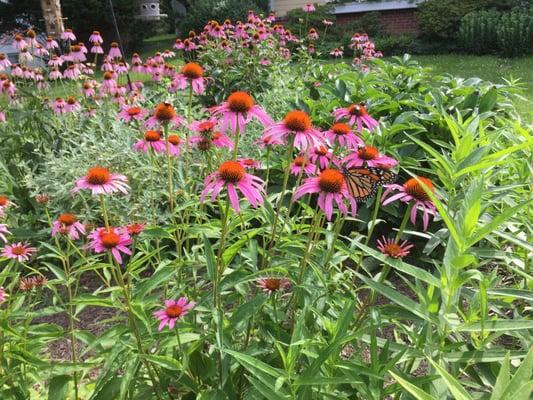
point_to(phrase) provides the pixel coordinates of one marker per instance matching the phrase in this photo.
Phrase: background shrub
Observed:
(509, 33)
(206, 10)
(396, 44)
(515, 32)
(478, 32)
(441, 19)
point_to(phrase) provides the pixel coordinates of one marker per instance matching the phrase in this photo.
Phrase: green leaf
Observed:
(266, 389)
(58, 387)
(502, 380)
(209, 258)
(324, 380)
(130, 370)
(511, 293)
(403, 301)
(500, 325)
(497, 221)
(457, 391)
(418, 393)
(254, 365)
(401, 266)
(488, 100)
(241, 315)
(521, 379)
(162, 274)
(230, 252)
(164, 362)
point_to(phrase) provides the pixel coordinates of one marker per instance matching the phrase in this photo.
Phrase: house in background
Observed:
(396, 16)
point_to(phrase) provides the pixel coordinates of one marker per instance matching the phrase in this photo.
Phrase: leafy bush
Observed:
(283, 293)
(479, 32)
(441, 19)
(510, 33)
(394, 45)
(515, 32)
(206, 10)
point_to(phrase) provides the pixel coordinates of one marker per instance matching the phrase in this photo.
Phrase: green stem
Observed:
(268, 168)
(317, 218)
(280, 200)
(187, 143)
(216, 288)
(237, 134)
(131, 318)
(404, 222)
(104, 211)
(336, 231)
(371, 297)
(169, 171)
(377, 206)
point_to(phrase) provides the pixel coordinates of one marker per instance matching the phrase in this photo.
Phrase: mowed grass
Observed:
(494, 69)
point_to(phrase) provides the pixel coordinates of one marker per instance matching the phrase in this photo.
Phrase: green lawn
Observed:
(490, 68)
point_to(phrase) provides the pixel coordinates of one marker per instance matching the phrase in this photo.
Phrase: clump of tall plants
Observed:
(340, 232)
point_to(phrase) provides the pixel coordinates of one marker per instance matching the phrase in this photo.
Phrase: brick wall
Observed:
(393, 21)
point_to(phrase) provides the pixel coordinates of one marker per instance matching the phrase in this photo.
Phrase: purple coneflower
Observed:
(173, 311)
(233, 176)
(100, 181)
(331, 187)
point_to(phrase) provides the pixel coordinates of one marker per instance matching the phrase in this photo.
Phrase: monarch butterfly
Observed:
(363, 181)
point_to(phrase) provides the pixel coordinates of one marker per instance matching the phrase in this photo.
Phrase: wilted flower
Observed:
(30, 282)
(394, 249)
(309, 7)
(42, 198)
(173, 311)
(273, 285)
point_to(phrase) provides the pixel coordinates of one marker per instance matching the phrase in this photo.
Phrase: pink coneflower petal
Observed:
(173, 311)
(233, 176)
(100, 181)
(21, 252)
